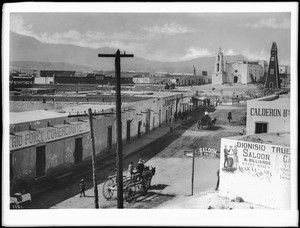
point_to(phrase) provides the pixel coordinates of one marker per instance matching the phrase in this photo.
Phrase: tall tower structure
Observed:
(272, 80)
(218, 76)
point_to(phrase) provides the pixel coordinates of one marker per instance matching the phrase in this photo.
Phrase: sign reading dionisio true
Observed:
(30, 138)
(257, 172)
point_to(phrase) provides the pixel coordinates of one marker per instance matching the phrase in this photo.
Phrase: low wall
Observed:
(257, 172)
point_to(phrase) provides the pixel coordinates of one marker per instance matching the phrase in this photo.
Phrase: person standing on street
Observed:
(82, 188)
(229, 117)
(218, 181)
(130, 169)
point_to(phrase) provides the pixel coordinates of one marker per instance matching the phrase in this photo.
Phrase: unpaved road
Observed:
(173, 169)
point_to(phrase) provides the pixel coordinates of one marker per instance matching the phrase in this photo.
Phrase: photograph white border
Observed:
(149, 217)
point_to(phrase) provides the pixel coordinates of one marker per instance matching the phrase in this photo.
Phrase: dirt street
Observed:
(173, 169)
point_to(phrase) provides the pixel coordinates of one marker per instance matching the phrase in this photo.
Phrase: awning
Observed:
(199, 98)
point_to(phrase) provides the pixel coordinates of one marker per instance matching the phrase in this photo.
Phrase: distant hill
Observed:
(28, 52)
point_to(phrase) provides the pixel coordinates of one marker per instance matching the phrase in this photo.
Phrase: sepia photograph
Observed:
(147, 114)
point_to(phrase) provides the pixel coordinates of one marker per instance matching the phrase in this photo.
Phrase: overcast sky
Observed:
(164, 36)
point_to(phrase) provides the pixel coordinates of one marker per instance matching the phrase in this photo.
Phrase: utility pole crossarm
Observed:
(114, 55)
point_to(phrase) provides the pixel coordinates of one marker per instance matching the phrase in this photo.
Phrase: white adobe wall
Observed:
(217, 79)
(276, 113)
(43, 80)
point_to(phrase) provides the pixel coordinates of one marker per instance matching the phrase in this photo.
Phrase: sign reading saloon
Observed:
(30, 138)
(258, 160)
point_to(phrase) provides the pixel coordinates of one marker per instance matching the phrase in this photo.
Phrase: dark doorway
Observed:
(139, 128)
(235, 79)
(159, 116)
(148, 121)
(271, 85)
(40, 162)
(109, 137)
(166, 116)
(78, 150)
(128, 130)
(261, 128)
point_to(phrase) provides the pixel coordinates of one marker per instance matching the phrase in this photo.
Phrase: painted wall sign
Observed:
(30, 138)
(258, 172)
(256, 160)
(269, 112)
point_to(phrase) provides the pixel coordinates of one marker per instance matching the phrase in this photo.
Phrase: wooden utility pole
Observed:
(119, 162)
(93, 160)
(193, 165)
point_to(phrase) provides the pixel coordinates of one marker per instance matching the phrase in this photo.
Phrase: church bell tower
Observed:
(272, 80)
(218, 76)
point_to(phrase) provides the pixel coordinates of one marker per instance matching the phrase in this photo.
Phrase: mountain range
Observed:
(28, 53)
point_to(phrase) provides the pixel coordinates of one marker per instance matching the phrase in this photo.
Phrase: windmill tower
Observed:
(272, 80)
(218, 76)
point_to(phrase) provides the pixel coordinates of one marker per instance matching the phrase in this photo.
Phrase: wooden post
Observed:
(193, 165)
(93, 160)
(119, 162)
(119, 131)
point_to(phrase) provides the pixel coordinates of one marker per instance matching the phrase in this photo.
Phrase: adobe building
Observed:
(268, 114)
(257, 168)
(240, 71)
(47, 143)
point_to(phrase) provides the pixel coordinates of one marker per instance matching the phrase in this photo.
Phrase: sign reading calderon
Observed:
(30, 138)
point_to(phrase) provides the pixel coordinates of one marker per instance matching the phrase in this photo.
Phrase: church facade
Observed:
(240, 71)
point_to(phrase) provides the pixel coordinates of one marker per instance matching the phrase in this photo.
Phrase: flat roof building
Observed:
(268, 114)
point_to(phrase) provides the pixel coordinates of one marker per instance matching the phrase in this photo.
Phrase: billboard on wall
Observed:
(257, 172)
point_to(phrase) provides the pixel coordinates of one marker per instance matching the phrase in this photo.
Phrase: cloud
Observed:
(92, 39)
(256, 55)
(170, 29)
(230, 52)
(195, 52)
(269, 23)
(18, 25)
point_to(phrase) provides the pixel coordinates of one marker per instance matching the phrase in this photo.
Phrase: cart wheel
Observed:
(106, 190)
(129, 192)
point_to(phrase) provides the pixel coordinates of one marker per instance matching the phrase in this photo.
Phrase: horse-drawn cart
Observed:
(206, 121)
(131, 185)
